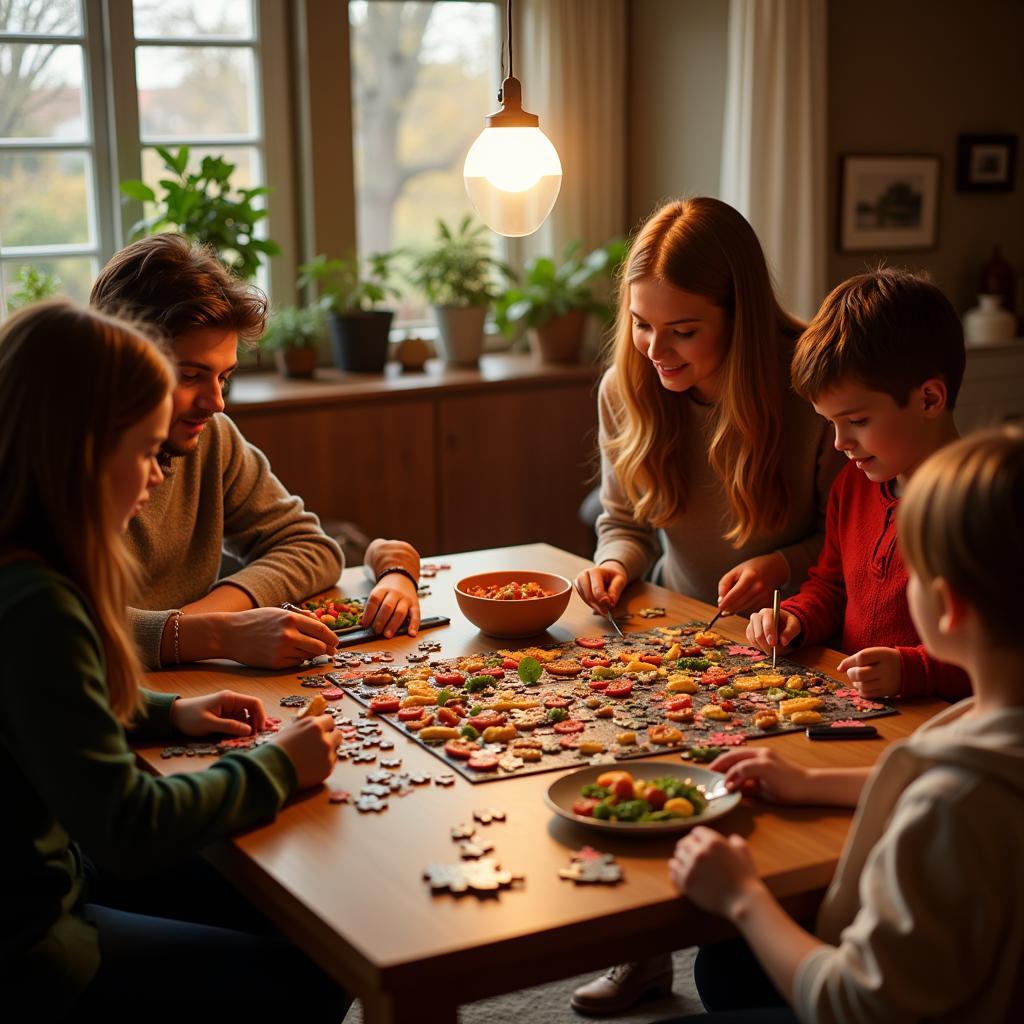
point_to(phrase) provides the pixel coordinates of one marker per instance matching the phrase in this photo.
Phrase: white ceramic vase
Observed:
(988, 322)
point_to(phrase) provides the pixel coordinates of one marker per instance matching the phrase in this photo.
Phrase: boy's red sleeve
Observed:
(924, 676)
(821, 600)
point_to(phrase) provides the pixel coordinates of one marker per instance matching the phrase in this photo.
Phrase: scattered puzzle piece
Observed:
(368, 803)
(474, 849)
(591, 867)
(487, 815)
(463, 831)
(317, 706)
(651, 613)
(445, 779)
(339, 796)
(482, 877)
(391, 762)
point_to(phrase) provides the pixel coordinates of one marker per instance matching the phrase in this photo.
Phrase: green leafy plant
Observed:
(293, 327)
(553, 289)
(203, 206)
(33, 284)
(348, 286)
(459, 270)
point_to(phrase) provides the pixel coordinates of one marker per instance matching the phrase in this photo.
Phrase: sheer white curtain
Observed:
(571, 58)
(773, 146)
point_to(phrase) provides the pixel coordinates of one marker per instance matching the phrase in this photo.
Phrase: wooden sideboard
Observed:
(451, 459)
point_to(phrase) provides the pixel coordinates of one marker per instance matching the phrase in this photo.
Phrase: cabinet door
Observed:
(372, 464)
(515, 466)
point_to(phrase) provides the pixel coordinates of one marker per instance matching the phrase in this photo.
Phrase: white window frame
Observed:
(114, 142)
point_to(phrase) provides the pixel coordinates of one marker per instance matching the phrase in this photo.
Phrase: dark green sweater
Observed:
(69, 774)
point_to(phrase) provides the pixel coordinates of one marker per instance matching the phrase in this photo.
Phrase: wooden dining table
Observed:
(348, 887)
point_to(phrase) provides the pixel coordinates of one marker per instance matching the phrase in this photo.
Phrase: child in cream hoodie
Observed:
(924, 920)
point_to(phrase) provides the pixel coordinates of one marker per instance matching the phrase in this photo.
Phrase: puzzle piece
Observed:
(487, 815)
(391, 762)
(591, 867)
(482, 877)
(364, 757)
(317, 706)
(474, 849)
(339, 796)
(445, 779)
(368, 803)
(463, 831)
(651, 613)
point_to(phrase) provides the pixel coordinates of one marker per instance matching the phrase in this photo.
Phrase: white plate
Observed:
(565, 791)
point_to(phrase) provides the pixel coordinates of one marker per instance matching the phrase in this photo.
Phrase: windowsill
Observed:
(267, 389)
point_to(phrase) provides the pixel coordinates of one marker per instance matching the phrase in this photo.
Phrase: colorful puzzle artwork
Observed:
(598, 700)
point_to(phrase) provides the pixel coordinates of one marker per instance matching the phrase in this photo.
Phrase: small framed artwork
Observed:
(986, 163)
(888, 202)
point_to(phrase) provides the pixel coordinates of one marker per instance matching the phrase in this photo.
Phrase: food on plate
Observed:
(617, 796)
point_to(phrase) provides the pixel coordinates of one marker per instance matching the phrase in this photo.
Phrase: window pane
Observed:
(424, 76)
(43, 17)
(45, 198)
(191, 91)
(41, 92)
(76, 274)
(247, 171)
(192, 19)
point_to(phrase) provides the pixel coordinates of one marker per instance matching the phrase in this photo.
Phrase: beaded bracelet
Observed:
(403, 572)
(177, 636)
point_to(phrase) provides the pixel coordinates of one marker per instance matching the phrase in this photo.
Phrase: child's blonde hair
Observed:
(72, 380)
(960, 520)
(889, 330)
(706, 247)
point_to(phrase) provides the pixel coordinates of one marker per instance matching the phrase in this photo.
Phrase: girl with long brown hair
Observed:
(86, 404)
(713, 472)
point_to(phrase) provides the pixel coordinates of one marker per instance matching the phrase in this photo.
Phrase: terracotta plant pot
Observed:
(561, 338)
(296, 362)
(359, 341)
(460, 333)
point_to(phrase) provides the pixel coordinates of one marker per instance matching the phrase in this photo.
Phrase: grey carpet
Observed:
(549, 1004)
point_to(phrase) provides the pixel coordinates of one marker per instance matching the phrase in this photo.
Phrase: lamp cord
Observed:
(508, 10)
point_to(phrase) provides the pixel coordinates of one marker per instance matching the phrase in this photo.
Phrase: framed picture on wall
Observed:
(888, 202)
(986, 163)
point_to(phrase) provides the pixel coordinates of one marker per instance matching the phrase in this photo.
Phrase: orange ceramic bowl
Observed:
(513, 618)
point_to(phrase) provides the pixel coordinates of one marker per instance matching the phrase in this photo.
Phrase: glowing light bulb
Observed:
(512, 171)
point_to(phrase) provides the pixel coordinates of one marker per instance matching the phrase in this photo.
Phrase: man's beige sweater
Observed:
(224, 497)
(694, 554)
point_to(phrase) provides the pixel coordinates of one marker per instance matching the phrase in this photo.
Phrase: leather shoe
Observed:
(624, 986)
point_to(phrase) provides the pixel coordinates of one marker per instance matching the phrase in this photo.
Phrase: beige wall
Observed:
(907, 77)
(676, 100)
(904, 76)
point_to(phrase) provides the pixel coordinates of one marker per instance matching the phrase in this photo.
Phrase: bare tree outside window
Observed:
(424, 77)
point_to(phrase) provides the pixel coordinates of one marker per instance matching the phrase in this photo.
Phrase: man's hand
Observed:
(393, 600)
(713, 871)
(273, 637)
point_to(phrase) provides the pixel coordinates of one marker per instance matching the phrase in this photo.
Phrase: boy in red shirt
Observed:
(882, 360)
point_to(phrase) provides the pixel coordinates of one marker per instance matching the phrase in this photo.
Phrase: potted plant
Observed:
(555, 299)
(457, 276)
(201, 205)
(349, 293)
(292, 335)
(33, 284)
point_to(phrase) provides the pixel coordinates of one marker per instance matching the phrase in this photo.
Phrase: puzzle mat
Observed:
(583, 697)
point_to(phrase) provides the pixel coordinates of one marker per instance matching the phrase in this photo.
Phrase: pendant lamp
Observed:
(512, 171)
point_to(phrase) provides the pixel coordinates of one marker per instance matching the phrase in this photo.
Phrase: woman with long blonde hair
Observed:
(714, 474)
(86, 405)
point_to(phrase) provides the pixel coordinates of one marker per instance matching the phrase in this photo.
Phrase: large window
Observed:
(83, 107)
(49, 192)
(424, 76)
